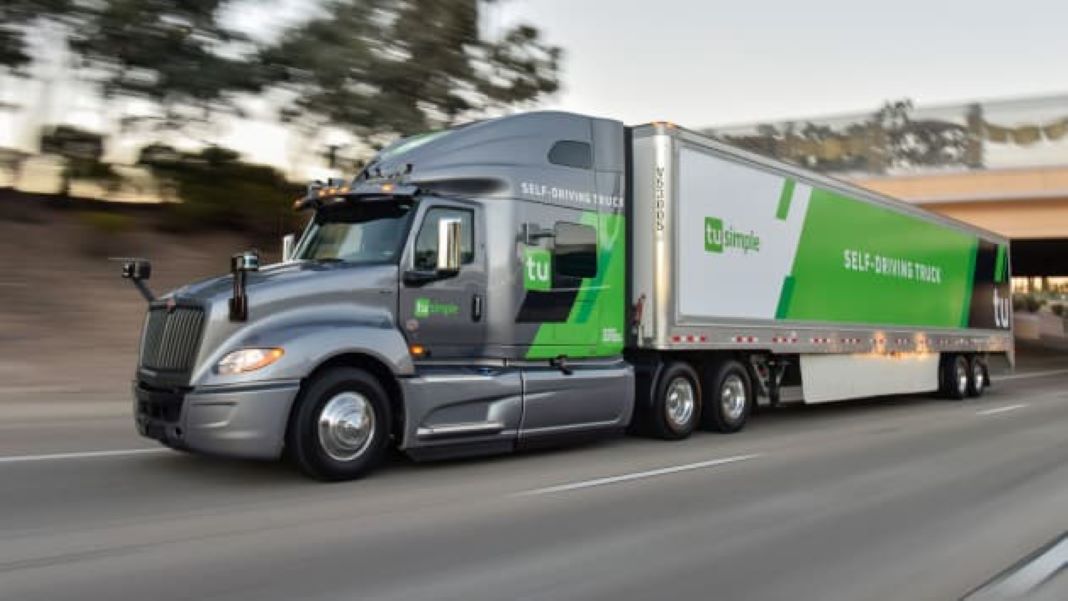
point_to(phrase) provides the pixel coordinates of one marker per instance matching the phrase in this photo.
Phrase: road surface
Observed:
(902, 498)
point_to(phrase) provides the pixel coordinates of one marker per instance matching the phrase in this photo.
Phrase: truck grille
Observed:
(171, 338)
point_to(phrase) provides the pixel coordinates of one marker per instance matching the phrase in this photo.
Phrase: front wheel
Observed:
(340, 427)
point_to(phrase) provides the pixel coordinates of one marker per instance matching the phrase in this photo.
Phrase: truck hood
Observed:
(291, 296)
(306, 280)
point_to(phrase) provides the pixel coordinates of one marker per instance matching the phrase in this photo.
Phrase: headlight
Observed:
(249, 359)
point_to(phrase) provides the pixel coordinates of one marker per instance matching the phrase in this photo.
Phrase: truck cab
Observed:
(463, 294)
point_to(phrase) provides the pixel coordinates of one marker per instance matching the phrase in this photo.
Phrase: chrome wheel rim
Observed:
(977, 377)
(346, 426)
(962, 379)
(680, 402)
(732, 397)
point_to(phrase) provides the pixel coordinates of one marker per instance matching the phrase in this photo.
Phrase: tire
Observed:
(730, 398)
(955, 378)
(976, 377)
(316, 439)
(676, 408)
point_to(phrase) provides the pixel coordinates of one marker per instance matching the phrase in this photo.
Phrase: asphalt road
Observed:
(904, 498)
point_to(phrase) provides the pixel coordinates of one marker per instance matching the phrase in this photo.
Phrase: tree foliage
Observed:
(402, 66)
(17, 17)
(178, 55)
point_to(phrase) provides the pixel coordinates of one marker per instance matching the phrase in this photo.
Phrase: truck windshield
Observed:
(369, 233)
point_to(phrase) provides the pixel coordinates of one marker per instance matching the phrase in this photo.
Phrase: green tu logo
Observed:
(537, 269)
(713, 235)
(422, 307)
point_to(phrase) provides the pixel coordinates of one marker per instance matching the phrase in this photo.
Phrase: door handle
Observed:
(476, 307)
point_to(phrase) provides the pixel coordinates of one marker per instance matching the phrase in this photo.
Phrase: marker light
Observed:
(249, 359)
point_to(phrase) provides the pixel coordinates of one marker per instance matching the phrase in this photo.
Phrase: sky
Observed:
(714, 62)
(707, 63)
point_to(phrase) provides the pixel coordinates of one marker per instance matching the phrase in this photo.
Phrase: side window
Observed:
(570, 153)
(575, 250)
(426, 244)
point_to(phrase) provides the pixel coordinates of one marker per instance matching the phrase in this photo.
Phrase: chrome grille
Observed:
(171, 338)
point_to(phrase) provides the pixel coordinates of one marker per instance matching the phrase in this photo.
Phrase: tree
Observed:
(17, 17)
(385, 67)
(175, 54)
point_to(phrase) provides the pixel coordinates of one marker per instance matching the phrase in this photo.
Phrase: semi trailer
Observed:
(548, 276)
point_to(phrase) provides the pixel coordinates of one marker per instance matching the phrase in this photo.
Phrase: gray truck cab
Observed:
(465, 293)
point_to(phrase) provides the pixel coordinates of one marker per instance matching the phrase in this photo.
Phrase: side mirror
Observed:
(450, 233)
(137, 269)
(289, 243)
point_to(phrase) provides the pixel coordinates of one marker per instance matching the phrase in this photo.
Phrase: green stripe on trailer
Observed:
(862, 263)
(785, 197)
(784, 297)
(1000, 266)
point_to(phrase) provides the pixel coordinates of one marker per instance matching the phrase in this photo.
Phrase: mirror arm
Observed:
(145, 291)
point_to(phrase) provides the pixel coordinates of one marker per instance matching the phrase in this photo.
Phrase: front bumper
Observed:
(246, 421)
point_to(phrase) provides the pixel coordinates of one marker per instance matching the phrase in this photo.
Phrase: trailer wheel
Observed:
(730, 398)
(977, 377)
(677, 405)
(955, 377)
(340, 427)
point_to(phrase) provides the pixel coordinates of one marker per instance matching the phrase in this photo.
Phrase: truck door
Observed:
(447, 314)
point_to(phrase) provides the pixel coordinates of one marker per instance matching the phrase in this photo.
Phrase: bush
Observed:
(107, 223)
(1058, 310)
(103, 232)
(218, 191)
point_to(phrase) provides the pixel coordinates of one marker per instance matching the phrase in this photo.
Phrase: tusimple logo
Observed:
(424, 307)
(537, 269)
(718, 238)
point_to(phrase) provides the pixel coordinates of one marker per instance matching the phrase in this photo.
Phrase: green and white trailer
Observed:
(547, 276)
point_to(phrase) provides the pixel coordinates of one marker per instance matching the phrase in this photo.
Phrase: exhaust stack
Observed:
(240, 265)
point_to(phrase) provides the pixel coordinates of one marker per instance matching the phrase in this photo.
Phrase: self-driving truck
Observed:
(549, 276)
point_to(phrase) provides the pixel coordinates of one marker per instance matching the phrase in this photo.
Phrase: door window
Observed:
(575, 250)
(426, 243)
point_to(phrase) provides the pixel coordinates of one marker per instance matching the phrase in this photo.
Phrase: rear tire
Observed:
(977, 377)
(339, 429)
(730, 398)
(676, 406)
(955, 377)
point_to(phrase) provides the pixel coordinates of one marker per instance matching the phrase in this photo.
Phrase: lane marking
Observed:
(635, 476)
(1037, 374)
(1024, 578)
(81, 455)
(998, 410)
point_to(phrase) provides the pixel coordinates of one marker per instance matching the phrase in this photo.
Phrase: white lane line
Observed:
(1021, 580)
(634, 476)
(1036, 374)
(998, 410)
(82, 455)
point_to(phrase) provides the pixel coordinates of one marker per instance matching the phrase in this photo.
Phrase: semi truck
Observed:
(547, 276)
